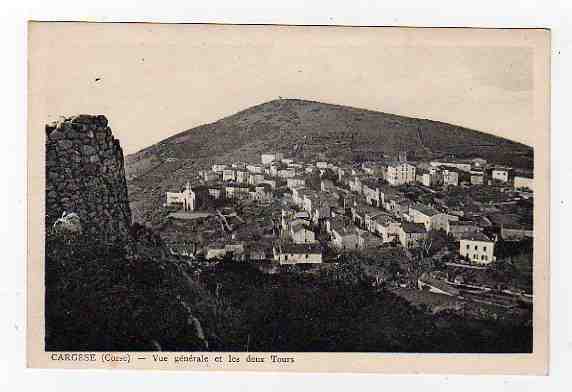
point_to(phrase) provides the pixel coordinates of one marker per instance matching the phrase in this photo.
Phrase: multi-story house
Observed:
(431, 218)
(387, 227)
(412, 234)
(295, 182)
(219, 167)
(477, 248)
(500, 174)
(399, 173)
(242, 176)
(521, 182)
(186, 199)
(228, 175)
(271, 157)
(450, 177)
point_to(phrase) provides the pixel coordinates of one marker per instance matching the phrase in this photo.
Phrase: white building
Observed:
(228, 175)
(255, 178)
(298, 253)
(500, 174)
(185, 199)
(477, 247)
(450, 177)
(429, 217)
(286, 173)
(461, 165)
(295, 182)
(523, 182)
(271, 157)
(242, 176)
(256, 169)
(399, 173)
(218, 167)
(387, 227)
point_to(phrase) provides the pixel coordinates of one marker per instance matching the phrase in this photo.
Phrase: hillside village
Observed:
(291, 250)
(444, 225)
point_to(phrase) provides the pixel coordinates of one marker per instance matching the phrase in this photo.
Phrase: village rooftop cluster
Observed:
(313, 211)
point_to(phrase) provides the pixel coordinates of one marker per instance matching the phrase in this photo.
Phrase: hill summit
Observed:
(304, 129)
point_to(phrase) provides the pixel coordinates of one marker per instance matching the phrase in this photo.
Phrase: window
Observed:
(468, 246)
(286, 257)
(476, 247)
(484, 248)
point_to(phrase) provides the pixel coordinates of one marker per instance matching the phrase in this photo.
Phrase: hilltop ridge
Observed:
(302, 129)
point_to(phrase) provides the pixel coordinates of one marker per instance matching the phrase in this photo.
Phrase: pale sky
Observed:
(153, 81)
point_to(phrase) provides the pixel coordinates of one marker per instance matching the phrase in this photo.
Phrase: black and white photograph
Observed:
(286, 190)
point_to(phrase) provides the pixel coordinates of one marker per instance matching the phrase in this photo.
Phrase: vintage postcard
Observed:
(288, 198)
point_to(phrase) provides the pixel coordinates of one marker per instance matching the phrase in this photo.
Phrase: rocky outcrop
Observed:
(85, 175)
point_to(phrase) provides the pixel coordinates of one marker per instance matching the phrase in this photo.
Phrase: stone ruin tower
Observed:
(85, 175)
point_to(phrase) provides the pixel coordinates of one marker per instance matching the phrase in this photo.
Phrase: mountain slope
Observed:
(304, 128)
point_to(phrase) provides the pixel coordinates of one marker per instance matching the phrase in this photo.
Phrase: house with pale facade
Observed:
(286, 173)
(450, 177)
(289, 253)
(295, 182)
(458, 164)
(255, 178)
(399, 173)
(242, 176)
(477, 248)
(186, 199)
(228, 175)
(219, 167)
(256, 169)
(372, 191)
(516, 232)
(271, 157)
(500, 174)
(429, 217)
(522, 182)
(387, 227)
(477, 179)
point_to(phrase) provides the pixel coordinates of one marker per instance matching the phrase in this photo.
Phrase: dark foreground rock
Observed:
(110, 285)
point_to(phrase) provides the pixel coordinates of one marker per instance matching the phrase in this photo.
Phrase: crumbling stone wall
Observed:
(85, 174)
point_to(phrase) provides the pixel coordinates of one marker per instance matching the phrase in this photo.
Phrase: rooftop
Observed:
(300, 248)
(476, 236)
(426, 210)
(413, 227)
